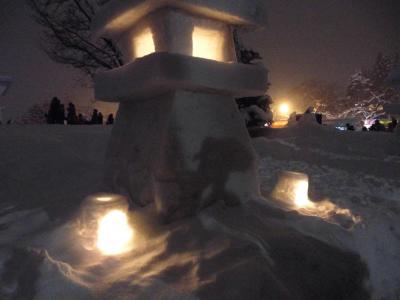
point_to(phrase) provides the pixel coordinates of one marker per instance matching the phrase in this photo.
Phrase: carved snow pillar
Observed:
(179, 139)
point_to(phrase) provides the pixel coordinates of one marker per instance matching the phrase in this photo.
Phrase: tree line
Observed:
(364, 97)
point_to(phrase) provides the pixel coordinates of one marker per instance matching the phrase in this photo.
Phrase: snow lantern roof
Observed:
(137, 80)
(5, 82)
(116, 16)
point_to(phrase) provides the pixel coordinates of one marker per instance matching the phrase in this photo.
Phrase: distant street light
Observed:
(284, 109)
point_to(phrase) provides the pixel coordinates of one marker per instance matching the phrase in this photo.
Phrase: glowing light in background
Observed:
(114, 235)
(208, 43)
(284, 108)
(143, 43)
(104, 199)
(279, 124)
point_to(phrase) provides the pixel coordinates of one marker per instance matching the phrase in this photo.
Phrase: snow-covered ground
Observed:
(359, 171)
(257, 251)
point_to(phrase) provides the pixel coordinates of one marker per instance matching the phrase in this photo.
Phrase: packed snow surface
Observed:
(251, 251)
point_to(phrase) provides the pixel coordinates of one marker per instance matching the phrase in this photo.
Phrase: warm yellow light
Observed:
(208, 43)
(143, 43)
(114, 235)
(301, 194)
(104, 199)
(284, 108)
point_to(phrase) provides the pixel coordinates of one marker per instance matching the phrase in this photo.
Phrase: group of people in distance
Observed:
(57, 115)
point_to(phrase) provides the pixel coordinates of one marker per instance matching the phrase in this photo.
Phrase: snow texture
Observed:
(183, 150)
(257, 249)
(160, 73)
(355, 171)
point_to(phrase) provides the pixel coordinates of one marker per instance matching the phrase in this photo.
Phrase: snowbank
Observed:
(356, 171)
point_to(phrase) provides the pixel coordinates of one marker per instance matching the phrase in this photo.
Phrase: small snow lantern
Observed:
(292, 190)
(104, 224)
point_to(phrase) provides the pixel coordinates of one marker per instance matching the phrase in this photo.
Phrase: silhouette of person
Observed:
(100, 118)
(95, 117)
(110, 119)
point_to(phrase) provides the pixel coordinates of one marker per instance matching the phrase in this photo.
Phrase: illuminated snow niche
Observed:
(291, 192)
(104, 224)
(208, 43)
(114, 235)
(143, 43)
(301, 199)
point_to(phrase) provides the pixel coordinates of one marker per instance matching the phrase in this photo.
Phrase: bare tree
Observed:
(369, 91)
(66, 35)
(325, 97)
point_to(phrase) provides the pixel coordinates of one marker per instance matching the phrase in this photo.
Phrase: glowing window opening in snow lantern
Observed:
(143, 43)
(208, 43)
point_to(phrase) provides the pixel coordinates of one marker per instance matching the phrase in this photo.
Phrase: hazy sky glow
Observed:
(306, 39)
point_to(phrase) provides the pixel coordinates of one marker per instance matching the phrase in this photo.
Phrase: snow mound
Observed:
(57, 280)
(17, 225)
(245, 252)
(355, 171)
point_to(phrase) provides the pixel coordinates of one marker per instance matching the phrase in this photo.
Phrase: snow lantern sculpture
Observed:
(104, 224)
(179, 139)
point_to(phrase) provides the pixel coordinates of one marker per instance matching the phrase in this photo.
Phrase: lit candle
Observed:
(104, 224)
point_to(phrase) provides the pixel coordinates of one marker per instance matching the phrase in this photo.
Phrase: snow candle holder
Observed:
(292, 190)
(179, 139)
(104, 224)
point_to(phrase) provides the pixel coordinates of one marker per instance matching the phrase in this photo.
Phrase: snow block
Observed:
(119, 15)
(160, 73)
(184, 151)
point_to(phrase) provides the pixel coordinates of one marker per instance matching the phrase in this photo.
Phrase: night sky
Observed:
(306, 39)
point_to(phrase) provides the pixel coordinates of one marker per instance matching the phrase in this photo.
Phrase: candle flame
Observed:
(114, 235)
(301, 194)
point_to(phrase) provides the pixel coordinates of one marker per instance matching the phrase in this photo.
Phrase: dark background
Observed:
(306, 39)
